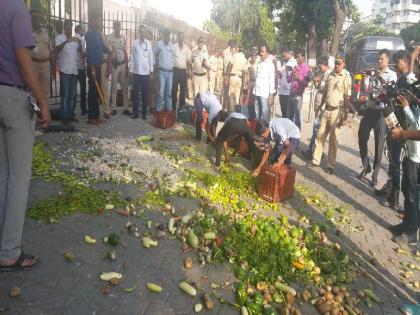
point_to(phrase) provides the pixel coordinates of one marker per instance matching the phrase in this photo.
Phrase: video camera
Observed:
(315, 72)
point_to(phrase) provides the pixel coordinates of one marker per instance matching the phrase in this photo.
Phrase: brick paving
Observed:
(60, 287)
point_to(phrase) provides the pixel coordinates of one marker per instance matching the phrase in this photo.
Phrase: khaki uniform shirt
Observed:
(118, 46)
(252, 68)
(227, 58)
(182, 56)
(213, 63)
(198, 56)
(107, 45)
(239, 64)
(338, 87)
(43, 45)
(220, 63)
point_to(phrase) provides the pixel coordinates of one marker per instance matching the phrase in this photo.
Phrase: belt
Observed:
(161, 69)
(330, 108)
(40, 60)
(14, 86)
(116, 64)
(200, 74)
(236, 75)
(179, 69)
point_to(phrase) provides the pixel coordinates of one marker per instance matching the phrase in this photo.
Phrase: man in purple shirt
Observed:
(17, 125)
(298, 83)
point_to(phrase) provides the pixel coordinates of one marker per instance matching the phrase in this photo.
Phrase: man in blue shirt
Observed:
(95, 49)
(209, 102)
(165, 59)
(17, 124)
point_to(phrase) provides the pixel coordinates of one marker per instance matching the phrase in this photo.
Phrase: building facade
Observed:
(397, 14)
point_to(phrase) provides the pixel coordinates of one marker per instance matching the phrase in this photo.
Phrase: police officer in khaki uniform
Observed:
(219, 72)
(236, 71)
(213, 70)
(105, 73)
(42, 52)
(227, 58)
(336, 99)
(200, 67)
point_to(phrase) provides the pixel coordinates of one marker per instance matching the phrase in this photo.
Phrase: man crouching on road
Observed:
(286, 136)
(211, 104)
(235, 125)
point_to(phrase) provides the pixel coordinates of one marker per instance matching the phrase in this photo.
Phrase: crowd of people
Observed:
(236, 92)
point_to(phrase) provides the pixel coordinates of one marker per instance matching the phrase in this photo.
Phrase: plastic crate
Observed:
(276, 185)
(204, 121)
(251, 124)
(164, 119)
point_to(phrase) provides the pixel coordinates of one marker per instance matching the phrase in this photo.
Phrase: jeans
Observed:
(373, 119)
(262, 110)
(180, 79)
(248, 111)
(294, 108)
(394, 170)
(93, 96)
(411, 191)
(140, 83)
(81, 78)
(315, 128)
(278, 150)
(284, 103)
(68, 97)
(17, 126)
(199, 119)
(165, 90)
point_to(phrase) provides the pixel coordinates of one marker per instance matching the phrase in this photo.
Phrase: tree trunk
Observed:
(340, 17)
(312, 44)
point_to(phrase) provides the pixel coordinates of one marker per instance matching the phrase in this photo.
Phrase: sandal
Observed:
(18, 265)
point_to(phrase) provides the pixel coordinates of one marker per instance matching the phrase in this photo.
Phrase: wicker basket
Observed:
(164, 119)
(204, 121)
(276, 186)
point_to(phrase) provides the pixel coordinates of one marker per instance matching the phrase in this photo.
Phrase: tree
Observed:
(342, 9)
(410, 34)
(361, 30)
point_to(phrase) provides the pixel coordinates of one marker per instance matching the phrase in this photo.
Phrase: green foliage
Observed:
(411, 33)
(246, 20)
(363, 29)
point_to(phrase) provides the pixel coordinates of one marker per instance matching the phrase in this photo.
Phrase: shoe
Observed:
(374, 182)
(83, 113)
(107, 116)
(92, 122)
(392, 200)
(114, 112)
(307, 154)
(397, 229)
(330, 170)
(384, 190)
(311, 164)
(365, 171)
(406, 239)
(143, 117)
(100, 121)
(134, 116)
(127, 112)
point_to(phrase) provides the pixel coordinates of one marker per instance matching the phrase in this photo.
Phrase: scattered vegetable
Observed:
(154, 287)
(184, 286)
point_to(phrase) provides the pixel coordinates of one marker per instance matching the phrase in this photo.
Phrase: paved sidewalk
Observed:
(60, 287)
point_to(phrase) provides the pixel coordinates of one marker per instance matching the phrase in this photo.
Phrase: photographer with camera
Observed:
(391, 189)
(373, 119)
(321, 74)
(406, 232)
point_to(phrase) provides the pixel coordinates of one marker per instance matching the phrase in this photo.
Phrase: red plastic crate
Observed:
(164, 119)
(251, 124)
(204, 121)
(276, 186)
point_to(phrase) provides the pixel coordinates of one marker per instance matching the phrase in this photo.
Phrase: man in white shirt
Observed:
(200, 67)
(67, 48)
(265, 86)
(284, 91)
(182, 69)
(208, 101)
(142, 70)
(81, 66)
(119, 70)
(286, 136)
